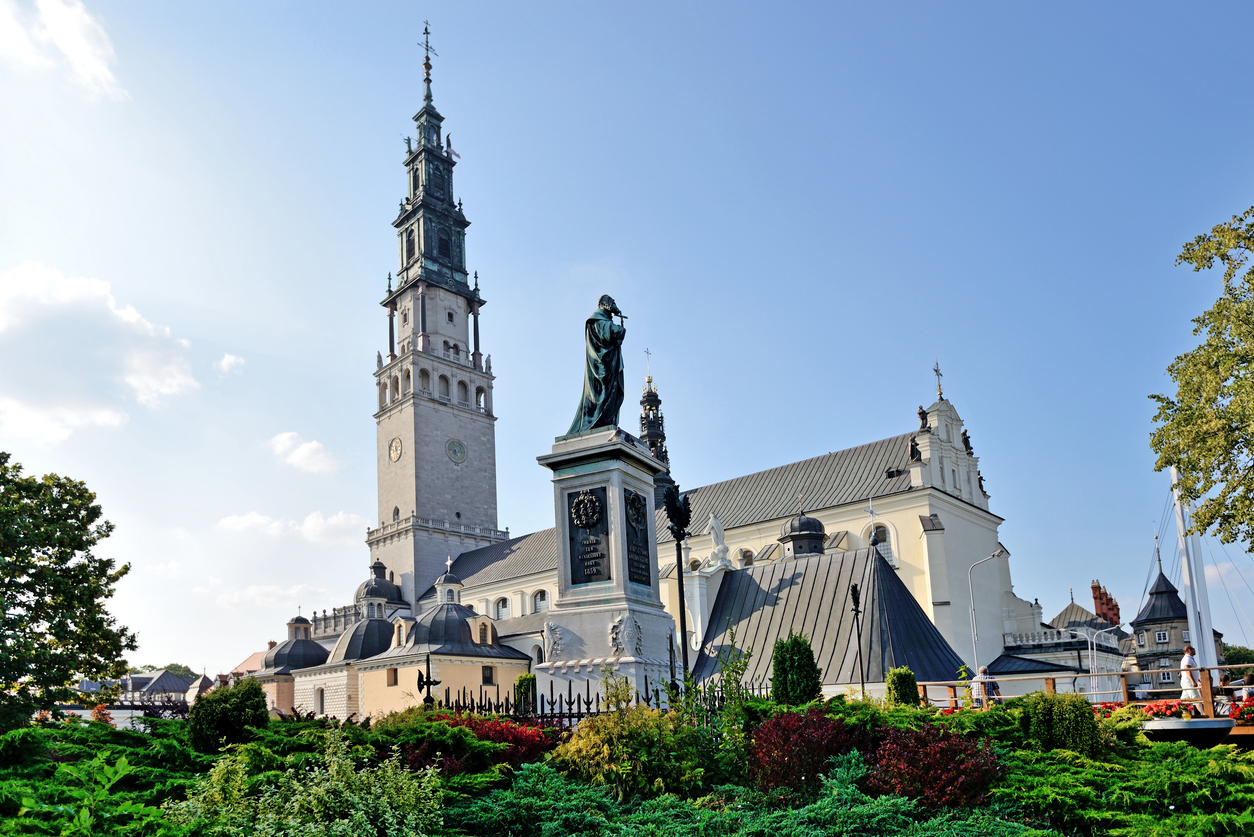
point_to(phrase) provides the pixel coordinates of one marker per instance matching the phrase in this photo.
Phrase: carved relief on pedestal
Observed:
(554, 640)
(625, 636)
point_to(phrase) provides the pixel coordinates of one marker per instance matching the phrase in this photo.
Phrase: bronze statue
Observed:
(922, 418)
(603, 369)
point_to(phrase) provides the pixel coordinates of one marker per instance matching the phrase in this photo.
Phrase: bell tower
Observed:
(436, 437)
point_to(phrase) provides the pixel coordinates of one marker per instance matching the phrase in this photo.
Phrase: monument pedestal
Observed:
(608, 610)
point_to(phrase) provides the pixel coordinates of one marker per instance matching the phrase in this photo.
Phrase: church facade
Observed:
(453, 599)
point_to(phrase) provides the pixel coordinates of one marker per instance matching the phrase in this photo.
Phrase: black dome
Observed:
(378, 587)
(299, 620)
(802, 525)
(443, 626)
(365, 639)
(294, 654)
(448, 578)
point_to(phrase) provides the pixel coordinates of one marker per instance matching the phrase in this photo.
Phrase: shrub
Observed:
(639, 751)
(525, 694)
(332, 798)
(902, 688)
(934, 767)
(791, 751)
(224, 716)
(796, 679)
(1060, 722)
(526, 743)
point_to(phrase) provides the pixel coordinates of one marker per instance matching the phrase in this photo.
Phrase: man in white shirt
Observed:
(1189, 681)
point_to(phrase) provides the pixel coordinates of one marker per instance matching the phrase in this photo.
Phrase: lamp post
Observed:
(975, 635)
(679, 512)
(1093, 684)
(856, 597)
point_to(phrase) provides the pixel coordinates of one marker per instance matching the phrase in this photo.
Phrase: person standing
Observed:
(1189, 682)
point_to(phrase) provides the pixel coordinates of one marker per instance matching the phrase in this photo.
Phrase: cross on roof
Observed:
(426, 39)
(449, 563)
(648, 357)
(870, 509)
(939, 375)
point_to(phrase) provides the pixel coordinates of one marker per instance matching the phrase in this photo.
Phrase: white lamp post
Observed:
(1093, 684)
(975, 635)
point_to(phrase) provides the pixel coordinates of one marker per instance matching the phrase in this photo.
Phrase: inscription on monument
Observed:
(588, 515)
(638, 558)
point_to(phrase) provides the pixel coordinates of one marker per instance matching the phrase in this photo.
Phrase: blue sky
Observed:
(799, 207)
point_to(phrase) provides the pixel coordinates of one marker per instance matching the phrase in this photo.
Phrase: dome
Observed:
(802, 525)
(378, 587)
(365, 639)
(448, 578)
(299, 620)
(294, 654)
(443, 625)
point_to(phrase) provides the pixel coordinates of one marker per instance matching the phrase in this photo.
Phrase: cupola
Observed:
(448, 587)
(802, 536)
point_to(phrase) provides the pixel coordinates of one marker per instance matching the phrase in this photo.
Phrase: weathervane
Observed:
(939, 395)
(870, 509)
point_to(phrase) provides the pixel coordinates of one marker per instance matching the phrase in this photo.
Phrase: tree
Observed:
(1207, 430)
(54, 628)
(796, 678)
(1237, 655)
(227, 715)
(900, 687)
(177, 669)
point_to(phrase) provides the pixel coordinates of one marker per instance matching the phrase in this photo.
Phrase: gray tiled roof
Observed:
(811, 596)
(1010, 664)
(834, 479)
(1164, 604)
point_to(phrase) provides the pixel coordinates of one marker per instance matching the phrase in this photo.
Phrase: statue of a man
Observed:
(603, 369)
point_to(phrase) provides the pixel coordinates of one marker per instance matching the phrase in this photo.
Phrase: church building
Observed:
(452, 597)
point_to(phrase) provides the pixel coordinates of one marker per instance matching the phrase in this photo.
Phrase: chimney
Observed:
(1104, 604)
(270, 644)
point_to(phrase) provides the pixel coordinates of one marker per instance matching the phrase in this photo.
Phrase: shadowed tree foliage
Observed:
(54, 628)
(1207, 430)
(227, 716)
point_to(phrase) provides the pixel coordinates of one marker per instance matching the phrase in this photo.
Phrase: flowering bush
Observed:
(935, 768)
(791, 751)
(1243, 711)
(1167, 709)
(1106, 709)
(527, 742)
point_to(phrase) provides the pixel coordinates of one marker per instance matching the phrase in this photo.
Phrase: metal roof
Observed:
(445, 630)
(810, 596)
(534, 553)
(1011, 664)
(1164, 604)
(532, 623)
(834, 479)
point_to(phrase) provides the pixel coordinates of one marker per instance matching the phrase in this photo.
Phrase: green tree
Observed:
(177, 669)
(227, 715)
(54, 628)
(1238, 655)
(796, 678)
(1207, 430)
(901, 687)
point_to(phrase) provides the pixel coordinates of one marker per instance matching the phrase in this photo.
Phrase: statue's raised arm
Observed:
(603, 369)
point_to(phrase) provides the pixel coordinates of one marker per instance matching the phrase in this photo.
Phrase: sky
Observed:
(801, 208)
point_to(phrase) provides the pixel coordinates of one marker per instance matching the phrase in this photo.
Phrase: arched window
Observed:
(446, 249)
(405, 317)
(369, 610)
(320, 702)
(417, 182)
(424, 380)
(746, 557)
(446, 347)
(463, 393)
(502, 608)
(481, 399)
(443, 387)
(450, 316)
(396, 513)
(383, 394)
(450, 596)
(406, 383)
(409, 244)
(537, 653)
(396, 387)
(483, 633)
(885, 539)
(540, 601)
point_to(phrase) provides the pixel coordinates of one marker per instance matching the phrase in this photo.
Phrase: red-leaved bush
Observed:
(937, 768)
(527, 743)
(792, 750)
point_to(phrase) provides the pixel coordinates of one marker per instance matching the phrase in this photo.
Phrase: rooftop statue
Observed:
(603, 369)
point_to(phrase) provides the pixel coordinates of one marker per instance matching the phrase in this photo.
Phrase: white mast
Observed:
(1193, 582)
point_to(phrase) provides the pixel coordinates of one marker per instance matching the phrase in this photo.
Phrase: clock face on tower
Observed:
(394, 450)
(456, 450)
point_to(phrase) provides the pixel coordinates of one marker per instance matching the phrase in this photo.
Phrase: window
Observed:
(481, 399)
(396, 513)
(463, 393)
(537, 653)
(450, 316)
(450, 597)
(392, 681)
(369, 610)
(540, 601)
(502, 608)
(320, 702)
(405, 383)
(424, 380)
(409, 244)
(1164, 676)
(1184, 635)
(437, 180)
(446, 249)
(1140, 638)
(444, 387)
(487, 676)
(483, 633)
(404, 318)
(1145, 677)
(1160, 636)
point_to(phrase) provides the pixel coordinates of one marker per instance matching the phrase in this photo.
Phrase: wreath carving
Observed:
(586, 510)
(635, 510)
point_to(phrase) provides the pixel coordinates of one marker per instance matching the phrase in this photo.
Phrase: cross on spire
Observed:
(648, 367)
(426, 61)
(939, 395)
(870, 509)
(448, 563)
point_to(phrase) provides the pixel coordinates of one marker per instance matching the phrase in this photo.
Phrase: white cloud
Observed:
(343, 527)
(33, 37)
(253, 522)
(167, 569)
(269, 595)
(32, 284)
(228, 362)
(310, 456)
(52, 424)
(154, 378)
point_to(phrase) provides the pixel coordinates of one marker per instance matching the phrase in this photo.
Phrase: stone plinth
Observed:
(608, 609)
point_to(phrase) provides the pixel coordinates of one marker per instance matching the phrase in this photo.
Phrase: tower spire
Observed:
(426, 61)
(653, 434)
